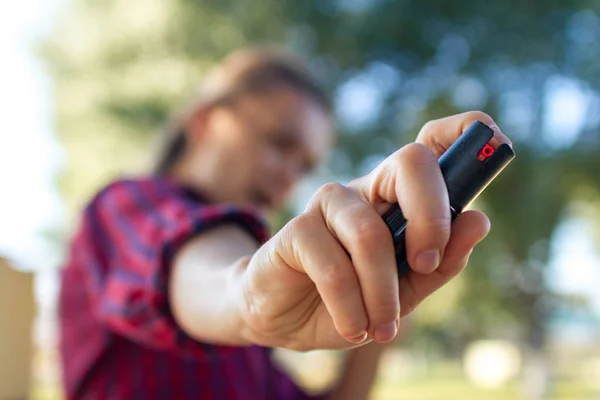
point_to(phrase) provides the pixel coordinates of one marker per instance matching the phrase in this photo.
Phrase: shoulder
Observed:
(145, 190)
(157, 207)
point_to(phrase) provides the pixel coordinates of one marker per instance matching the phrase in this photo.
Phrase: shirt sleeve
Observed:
(137, 229)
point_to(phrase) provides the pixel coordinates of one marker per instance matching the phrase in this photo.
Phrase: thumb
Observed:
(467, 230)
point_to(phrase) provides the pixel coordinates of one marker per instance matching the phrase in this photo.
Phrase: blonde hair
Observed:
(246, 71)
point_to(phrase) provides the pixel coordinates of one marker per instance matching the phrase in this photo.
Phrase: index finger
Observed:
(441, 133)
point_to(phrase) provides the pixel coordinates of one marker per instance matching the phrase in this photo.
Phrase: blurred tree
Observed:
(121, 68)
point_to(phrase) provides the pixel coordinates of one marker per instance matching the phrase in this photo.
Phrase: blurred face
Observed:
(254, 151)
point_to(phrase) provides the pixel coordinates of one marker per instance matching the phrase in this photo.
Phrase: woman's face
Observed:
(256, 150)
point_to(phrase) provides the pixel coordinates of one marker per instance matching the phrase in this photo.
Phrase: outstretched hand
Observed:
(328, 279)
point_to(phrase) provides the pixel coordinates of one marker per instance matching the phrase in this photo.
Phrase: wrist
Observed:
(238, 303)
(372, 349)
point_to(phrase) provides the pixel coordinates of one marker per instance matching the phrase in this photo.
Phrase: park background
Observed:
(88, 85)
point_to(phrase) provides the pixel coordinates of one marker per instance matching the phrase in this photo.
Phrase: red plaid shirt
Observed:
(118, 337)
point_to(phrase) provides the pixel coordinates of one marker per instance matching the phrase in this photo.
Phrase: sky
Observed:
(31, 157)
(29, 154)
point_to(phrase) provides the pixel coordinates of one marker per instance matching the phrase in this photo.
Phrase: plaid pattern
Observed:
(118, 337)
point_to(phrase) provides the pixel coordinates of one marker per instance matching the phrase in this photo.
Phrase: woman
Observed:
(173, 288)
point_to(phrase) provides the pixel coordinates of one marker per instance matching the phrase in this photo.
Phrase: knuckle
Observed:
(370, 234)
(416, 154)
(479, 115)
(330, 189)
(336, 279)
(297, 229)
(428, 126)
(297, 233)
(323, 194)
(302, 223)
(356, 181)
(395, 160)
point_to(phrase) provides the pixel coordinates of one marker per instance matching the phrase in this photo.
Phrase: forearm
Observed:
(359, 372)
(205, 287)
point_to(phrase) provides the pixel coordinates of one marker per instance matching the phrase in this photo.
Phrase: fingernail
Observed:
(385, 333)
(358, 339)
(427, 261)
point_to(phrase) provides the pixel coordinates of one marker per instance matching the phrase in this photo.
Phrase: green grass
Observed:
(440, 388)
(571, 390)
(448, 383)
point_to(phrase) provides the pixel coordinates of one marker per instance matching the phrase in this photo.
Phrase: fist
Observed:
(328, 279)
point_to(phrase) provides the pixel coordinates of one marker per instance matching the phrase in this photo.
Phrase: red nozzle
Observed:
(485, 152)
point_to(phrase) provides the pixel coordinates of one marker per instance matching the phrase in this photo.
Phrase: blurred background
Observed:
(87, 85)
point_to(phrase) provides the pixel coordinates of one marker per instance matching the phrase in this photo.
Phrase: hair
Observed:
(247, 71)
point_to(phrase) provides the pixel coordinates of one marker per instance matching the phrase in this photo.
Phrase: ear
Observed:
(197, 124)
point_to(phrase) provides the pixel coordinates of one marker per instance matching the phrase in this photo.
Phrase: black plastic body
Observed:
(465, 176)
